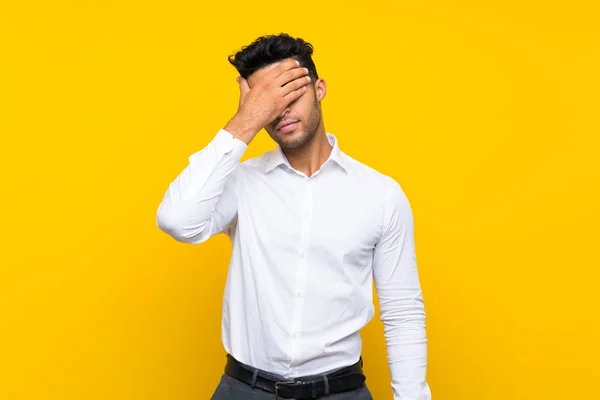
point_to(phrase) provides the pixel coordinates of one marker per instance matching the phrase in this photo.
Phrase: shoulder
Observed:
(382, 184)
(385, 191)
(256, 164)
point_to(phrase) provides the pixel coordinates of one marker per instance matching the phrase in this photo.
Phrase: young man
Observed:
(310, 227)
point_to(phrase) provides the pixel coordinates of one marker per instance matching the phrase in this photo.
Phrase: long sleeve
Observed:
(202, 200)
(401, 301)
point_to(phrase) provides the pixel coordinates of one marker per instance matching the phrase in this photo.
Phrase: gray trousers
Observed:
(231, 389)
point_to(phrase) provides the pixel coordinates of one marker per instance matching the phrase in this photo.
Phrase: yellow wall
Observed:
(485, 112)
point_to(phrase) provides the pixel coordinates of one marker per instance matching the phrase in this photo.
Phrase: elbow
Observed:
(173, 222)
(170, 223)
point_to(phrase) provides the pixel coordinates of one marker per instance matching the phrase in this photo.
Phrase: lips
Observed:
(285, 123)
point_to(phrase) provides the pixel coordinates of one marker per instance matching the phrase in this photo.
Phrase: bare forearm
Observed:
(242, 128)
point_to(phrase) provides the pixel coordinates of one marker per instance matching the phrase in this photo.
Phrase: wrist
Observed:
(242, 128)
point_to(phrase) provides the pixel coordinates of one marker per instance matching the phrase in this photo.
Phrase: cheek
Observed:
(304, 106)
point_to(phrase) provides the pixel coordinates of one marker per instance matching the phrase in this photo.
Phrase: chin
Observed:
(292, 135)
(294, 142)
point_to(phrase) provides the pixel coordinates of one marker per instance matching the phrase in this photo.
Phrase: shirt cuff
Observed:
(223, 143)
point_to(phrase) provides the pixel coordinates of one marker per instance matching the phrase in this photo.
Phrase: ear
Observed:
(320, 89)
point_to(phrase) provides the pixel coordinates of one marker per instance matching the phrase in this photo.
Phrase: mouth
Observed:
(287, 125)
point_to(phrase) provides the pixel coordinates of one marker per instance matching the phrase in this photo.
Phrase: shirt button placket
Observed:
(301, 273)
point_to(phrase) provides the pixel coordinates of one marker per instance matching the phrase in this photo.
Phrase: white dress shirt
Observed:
(305, 251)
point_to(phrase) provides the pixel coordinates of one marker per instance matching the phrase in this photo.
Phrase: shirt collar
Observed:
(277, 158)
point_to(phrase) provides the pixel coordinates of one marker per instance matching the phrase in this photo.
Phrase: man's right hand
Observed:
(284, 83)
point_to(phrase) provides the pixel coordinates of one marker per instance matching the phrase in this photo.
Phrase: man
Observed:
(310, 227)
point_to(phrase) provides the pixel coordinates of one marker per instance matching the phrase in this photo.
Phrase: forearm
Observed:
(243, 127)
(191, 199)
(403, 315)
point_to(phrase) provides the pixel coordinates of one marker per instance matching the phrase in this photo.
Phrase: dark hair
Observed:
(269, 49)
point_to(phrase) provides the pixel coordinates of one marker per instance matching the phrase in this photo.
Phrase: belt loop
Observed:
(254, 378)
(314, 389)
(326, 384)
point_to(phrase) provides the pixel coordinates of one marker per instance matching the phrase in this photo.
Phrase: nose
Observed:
(285, 112)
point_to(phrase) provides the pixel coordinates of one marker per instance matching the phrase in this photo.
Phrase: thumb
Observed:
(244, 88)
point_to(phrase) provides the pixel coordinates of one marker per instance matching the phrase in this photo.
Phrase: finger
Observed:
(244, 88)
(277, 69)
(294, 95)
(295, 85)
(290, 75)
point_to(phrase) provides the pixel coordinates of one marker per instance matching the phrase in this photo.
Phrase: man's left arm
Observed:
(400, 298)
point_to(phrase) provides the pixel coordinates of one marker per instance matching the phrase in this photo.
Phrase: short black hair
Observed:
(269, 49)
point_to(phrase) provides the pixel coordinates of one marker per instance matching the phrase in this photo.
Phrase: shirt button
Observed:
(300, 295)
(296, 335)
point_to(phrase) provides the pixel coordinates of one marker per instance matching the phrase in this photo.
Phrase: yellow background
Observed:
(485, 112)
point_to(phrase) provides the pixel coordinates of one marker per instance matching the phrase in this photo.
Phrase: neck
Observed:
(310, 157)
